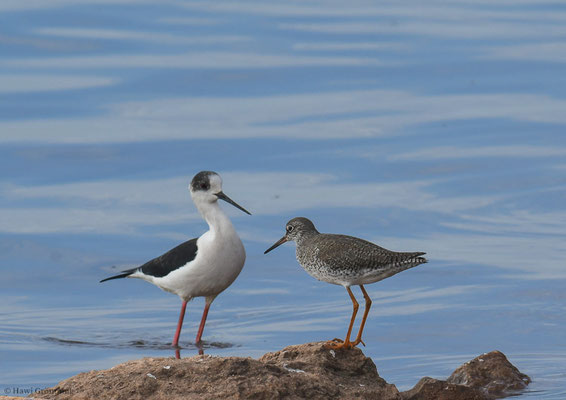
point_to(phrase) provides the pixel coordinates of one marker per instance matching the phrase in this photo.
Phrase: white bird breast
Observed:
(219, 261)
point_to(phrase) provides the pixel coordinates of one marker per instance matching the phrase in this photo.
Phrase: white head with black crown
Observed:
(206, 189)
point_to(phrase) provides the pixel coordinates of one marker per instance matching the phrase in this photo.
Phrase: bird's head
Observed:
(295, 230)
(206, 188)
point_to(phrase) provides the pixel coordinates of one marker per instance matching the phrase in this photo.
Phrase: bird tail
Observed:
(411, 260)
(124, 274)
(421, 259)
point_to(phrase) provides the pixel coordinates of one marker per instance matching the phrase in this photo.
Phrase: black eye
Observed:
(204, 186)
(289, 228)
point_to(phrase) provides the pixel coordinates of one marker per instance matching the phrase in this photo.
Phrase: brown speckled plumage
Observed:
(346, 260)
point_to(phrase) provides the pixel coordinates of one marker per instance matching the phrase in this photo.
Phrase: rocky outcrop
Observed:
(430, 388)
(307, 371)
(488, 376)
(329, 374)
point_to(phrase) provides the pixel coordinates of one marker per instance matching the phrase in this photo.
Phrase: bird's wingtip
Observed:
(125, 274)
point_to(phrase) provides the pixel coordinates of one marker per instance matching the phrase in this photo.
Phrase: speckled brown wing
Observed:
(351, 253)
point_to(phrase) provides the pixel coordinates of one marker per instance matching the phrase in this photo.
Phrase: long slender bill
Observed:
(277, 244)
(227, 199)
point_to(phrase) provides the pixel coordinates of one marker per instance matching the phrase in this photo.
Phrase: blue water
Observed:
(436, 127)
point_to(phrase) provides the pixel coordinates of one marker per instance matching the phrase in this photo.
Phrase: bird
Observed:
(346, 261)
(203, 266)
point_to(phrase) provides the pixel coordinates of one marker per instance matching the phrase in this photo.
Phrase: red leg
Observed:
(180, 324)
(202, 322)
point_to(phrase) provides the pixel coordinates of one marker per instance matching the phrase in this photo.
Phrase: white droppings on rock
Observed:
(297, 371)
(167, 367)
(151, 376)
(333, 353)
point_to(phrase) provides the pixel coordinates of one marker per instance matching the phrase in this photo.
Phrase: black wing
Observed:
(170, 261)
(166, 263)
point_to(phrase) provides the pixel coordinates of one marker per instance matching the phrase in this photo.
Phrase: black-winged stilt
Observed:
(200, 267)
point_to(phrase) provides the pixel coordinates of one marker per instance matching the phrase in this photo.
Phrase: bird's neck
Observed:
(305, 236)
(217, 220)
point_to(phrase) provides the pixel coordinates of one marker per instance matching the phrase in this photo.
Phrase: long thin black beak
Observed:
(277, 244)
(227, 199)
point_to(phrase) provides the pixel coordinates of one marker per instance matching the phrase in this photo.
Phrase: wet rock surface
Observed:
(430, 388)
(492, 373)
(488, 376)
(306, 371)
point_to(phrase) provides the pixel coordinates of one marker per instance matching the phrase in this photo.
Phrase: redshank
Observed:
(346, 261)
(200, 267)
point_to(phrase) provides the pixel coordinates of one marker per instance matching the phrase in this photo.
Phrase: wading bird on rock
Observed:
(346, 261)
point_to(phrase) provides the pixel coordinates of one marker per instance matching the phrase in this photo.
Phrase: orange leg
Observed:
(337, 343)
(366, 312)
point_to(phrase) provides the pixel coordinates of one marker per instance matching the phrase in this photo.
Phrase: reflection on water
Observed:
(141, 344)
(436, 127)
(148, 345)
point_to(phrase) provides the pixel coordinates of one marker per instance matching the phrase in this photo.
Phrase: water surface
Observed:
(436, 128)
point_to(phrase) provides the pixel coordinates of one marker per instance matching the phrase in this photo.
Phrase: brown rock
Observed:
(430, 388)
(488, 376)
(348, 373)
(296, 372)
(492, 373)
(306, 371)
